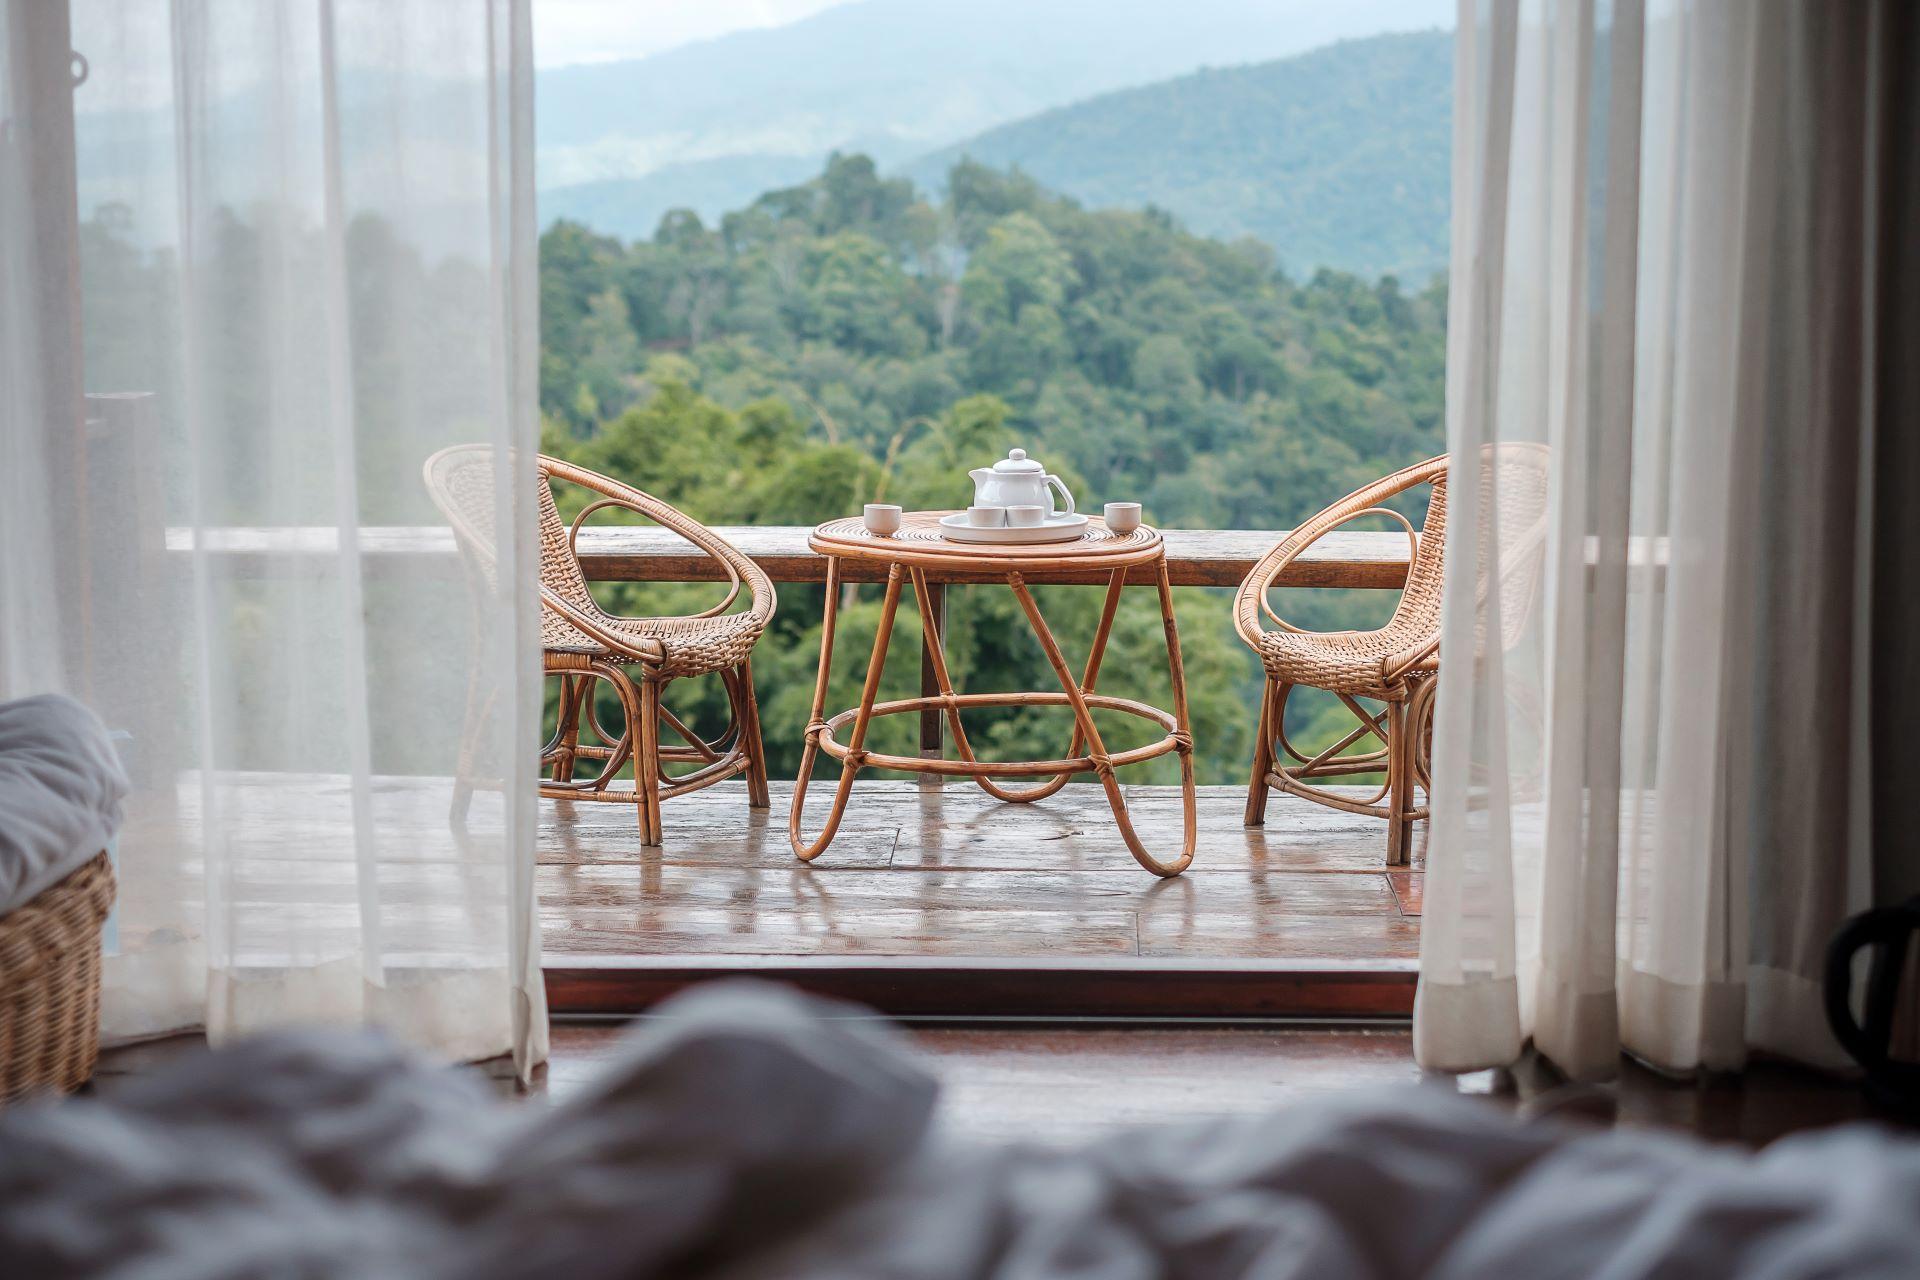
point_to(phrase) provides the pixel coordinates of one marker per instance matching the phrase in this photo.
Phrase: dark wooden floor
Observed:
(952, 872)
(1062, 1086)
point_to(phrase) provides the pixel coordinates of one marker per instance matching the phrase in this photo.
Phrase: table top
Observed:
(919, 543)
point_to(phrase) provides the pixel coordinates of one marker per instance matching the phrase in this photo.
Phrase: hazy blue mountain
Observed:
(631, 207)
(897, 78)
(1338, 157)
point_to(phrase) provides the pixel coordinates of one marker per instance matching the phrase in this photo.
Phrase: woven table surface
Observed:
(921, 541)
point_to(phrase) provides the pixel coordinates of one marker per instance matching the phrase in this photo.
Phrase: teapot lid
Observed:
(1017, 463)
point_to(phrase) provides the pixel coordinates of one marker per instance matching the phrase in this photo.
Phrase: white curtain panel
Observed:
(305, 262)
(1649, 811)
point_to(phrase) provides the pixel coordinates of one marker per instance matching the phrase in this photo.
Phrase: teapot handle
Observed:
(1066, 493)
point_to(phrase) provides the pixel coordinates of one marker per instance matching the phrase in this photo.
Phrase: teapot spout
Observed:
(979, 474)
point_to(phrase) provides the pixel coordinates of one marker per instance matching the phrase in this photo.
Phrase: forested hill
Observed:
(849, 339)
(1337, 158)
(854, 314)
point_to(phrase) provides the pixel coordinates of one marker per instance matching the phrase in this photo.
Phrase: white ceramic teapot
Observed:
(1018, 481)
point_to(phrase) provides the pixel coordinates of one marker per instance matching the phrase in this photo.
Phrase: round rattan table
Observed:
(918, 553)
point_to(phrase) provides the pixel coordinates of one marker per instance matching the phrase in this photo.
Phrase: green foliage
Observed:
(850, 340)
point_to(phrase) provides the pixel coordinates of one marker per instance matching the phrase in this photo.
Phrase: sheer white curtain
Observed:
(300, 260)
(1649, 808)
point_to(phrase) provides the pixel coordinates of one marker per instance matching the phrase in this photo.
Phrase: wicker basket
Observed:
(50, 984)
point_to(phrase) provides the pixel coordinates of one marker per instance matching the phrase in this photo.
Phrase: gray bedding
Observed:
(749, 1136)
(61, 786)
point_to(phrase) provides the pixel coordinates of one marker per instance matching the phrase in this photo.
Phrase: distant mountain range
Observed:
(1339, 157)
(712, 125)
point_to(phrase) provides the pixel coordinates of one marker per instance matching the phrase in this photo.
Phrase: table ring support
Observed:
(1086, 750)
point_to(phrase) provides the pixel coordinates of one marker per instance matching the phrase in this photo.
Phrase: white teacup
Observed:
(1025, 517)
(1123, 517)
(986, 517)
(883, 518)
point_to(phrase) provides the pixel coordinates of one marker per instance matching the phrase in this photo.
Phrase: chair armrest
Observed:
(612, 493)
(573, 538)
(1251, 600)
(586, 623)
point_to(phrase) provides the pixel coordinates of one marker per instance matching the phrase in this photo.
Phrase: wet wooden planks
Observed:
(952, 873)
(1032, 909)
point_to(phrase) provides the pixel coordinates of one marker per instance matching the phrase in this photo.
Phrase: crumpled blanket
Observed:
(750, 1134)
(61, 787)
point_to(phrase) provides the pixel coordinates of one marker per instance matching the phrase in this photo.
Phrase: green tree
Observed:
(849, 337)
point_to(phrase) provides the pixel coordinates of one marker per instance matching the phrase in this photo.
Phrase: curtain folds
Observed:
(297, 247)
(1650, 808)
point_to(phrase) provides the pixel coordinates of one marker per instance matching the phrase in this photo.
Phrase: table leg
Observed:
(807, 851)
(1177, 674)
(932, 600)
(810, 746)
(1088, 678)
(935, 656)
(1090, 732)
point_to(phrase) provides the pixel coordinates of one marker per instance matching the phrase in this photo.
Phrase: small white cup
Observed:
(883, 519)
(1123, 517)
(986, 517)
(1025, 517)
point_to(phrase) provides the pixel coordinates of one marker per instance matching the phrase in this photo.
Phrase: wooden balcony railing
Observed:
(1195, 557)
(647, 553)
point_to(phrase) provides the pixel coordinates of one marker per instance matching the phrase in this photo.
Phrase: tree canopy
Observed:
(854, 339)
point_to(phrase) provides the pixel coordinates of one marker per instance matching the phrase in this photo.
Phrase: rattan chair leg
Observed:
(566, 737)
(479, 713)
(1257, 786)
(1420, 729)
(1399, 785)
(746, 713)
(645, 728)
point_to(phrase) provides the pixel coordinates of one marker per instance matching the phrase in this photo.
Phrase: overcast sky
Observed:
(568, 31)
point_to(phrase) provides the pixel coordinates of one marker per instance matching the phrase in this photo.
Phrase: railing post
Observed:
(932, 724)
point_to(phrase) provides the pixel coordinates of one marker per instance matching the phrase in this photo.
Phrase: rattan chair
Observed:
(1395, 665)
(638, 657)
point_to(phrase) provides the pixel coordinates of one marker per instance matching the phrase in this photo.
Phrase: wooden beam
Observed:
(1195, 558)
(1106, 988)
(646, 553)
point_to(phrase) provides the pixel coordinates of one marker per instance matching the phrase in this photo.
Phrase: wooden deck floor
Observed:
(954, 873)
(930, 875)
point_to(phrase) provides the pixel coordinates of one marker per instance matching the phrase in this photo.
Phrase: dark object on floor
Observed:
(1889, 934)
